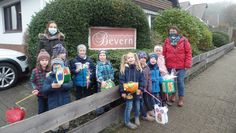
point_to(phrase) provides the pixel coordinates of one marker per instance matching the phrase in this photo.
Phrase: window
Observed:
(12, 17)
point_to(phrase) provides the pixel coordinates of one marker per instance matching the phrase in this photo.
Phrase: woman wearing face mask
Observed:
(50, 37)
(178, 55)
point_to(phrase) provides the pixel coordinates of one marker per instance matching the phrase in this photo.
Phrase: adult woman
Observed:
(50, 37)
(178, 55)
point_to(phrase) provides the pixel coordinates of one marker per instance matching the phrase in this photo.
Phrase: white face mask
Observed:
(52, 31)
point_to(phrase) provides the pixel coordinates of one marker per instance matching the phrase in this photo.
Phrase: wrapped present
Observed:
(168, 86)
(67, 75)
(130, 87)
(109, 84)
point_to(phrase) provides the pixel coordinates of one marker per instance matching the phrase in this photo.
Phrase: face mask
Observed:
(173, 35)
(52, 31)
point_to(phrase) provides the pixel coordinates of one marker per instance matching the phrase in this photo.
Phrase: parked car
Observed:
(13, 64)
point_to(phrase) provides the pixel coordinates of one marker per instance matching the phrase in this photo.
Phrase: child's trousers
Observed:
(128, 109)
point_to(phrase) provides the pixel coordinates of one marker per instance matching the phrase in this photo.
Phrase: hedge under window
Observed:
(12, 17)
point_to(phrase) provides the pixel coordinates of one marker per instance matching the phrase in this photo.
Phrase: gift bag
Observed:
(130, 87)
(109, 84)
(67, 75)
(161, 115)
(168, 86)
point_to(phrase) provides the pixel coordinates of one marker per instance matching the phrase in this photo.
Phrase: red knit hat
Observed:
(43, 54)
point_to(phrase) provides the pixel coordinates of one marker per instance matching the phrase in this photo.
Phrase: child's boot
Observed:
(136, 121)
(181, 101)
(131, 125)
(173, 97)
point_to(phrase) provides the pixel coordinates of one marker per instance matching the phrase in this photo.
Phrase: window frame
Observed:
(7, 16)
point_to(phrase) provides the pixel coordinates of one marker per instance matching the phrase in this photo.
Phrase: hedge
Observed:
(191, 27)
(74, 17)
(220, 38)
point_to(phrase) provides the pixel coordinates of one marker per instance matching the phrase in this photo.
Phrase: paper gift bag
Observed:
(67, 75)
(168, 86)
(161, 115)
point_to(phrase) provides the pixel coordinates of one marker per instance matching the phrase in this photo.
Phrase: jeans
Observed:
(180, 80)
(82, 92)
(42, 104)
(155, 101)
(128, 109)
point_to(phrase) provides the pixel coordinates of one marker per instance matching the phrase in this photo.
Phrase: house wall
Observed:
(15, 40)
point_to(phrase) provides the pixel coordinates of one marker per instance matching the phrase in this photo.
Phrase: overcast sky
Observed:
(206, 1)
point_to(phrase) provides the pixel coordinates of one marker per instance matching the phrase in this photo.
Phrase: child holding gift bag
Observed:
(131, 86)
(155, 78)
(37, 78)
(83, 70)
(104, 70)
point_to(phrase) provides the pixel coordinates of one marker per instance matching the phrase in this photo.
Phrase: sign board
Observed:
(112, 38)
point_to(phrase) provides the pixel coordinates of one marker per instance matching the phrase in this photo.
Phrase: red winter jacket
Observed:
(179, 56)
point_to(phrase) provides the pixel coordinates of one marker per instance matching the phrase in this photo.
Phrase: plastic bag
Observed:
(161, 115)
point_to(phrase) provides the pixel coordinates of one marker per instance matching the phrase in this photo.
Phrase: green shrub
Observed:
(74, 17)
(191, 27)
(220, 39)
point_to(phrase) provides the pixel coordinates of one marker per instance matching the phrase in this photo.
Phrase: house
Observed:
(197, 10)
(16, 15)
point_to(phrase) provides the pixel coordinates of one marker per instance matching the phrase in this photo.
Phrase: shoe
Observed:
(148, 118)
(181, 101)
(151, 113)
(173, 97)
(136, 121)
(169, 103)
(131, 125)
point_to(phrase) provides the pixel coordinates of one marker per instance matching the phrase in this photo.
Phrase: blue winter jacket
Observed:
(56, 97)
(131, 74)
(79, 78)
(104, 71)
(155, 78)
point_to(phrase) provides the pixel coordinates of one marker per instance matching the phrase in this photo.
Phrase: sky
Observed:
(206, 1)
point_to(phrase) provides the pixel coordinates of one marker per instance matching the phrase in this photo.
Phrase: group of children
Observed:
(145, 71)
(148, 74)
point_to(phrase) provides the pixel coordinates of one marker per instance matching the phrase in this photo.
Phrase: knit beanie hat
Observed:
(58, 49)
(43, 54)
(102, 51)
(153, 55)
(142, 54)
(57, 61)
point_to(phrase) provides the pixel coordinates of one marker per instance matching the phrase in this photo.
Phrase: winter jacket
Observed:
(131, 74)
(56, 97)
(104, 71)
(87, 65)
(179, 56)
(147, 78)
(155, 78)
(48, 43)
(37, 79)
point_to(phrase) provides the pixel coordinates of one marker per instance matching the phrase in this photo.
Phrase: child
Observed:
(50, 37)
(155, 78)
(161, 60)
(163, 70)
(58, 94)
(146, 101)
(104, 73)
(104, 70)
(83, 69)
(131, 73)
(60, 52)
(37, 78)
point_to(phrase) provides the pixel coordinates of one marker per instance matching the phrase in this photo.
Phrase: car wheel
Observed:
(8, 75)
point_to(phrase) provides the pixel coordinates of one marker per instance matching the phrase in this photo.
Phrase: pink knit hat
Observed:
(43, 54)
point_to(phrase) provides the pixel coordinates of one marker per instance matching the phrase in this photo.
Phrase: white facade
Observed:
(28, 8)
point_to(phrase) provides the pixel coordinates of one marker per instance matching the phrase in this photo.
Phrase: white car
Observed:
(13, 64)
